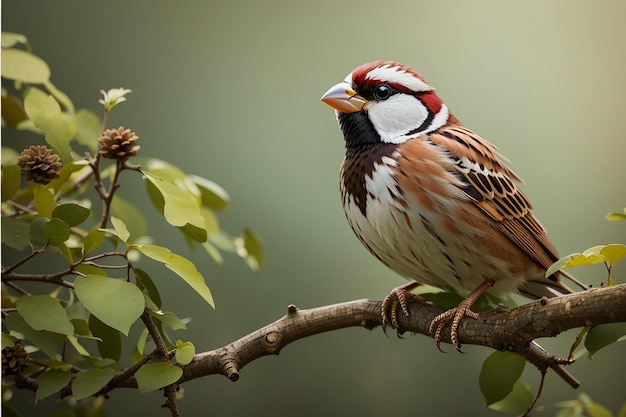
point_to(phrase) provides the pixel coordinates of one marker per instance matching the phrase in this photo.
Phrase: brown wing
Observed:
(492, 186)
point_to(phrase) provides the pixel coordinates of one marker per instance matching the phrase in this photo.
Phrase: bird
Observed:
(434, 201)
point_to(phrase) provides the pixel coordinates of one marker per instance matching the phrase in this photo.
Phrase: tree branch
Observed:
(507, 329)
(502, 329)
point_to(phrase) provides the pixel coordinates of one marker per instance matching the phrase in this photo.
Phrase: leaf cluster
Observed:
(71, 321)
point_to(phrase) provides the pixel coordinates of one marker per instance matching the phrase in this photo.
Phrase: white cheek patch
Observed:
(396, 116)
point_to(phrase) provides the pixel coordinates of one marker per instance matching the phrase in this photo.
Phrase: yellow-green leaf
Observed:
(44, 201)
(120, 228)
(132, 217)
(613, 253)
(180, 206)
(156, 375)
(92, 240)
(88, 128)
(10, 39)
(185, 351)
(8, 340)
(250, 249)
(45, 113)
(180, 266)
(43, 312)
(116, 303)
(22, 66)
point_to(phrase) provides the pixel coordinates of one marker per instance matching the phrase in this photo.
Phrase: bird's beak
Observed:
(343, 98)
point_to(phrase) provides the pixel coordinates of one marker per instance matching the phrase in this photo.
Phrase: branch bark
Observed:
(511, 329)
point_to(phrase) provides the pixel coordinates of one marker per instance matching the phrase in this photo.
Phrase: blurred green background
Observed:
(230, 91)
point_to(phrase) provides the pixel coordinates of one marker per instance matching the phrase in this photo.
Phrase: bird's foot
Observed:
(398, 299)
(455, 315)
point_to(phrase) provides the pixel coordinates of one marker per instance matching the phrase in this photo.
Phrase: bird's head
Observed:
(385, 101)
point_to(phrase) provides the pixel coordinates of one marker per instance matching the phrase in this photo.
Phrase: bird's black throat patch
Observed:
(358, 164)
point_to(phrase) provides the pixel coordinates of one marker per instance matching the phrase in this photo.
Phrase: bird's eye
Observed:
(382, 92)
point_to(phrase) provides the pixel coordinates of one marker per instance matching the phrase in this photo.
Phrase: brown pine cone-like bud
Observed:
(14, 359)
(118, 144)
(39, 164)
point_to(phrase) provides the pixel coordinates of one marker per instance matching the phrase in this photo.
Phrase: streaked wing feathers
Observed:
(492, 186)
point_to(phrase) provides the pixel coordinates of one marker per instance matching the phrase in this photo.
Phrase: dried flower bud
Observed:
(14, 359)
(39, 164)
(118, 144)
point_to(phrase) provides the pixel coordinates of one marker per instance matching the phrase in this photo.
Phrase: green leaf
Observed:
(144, 282)
(57, 231)
(111, 344)
(15, 232)
(603, 335)
(88, 128)
(92, 240)
(8, 340)
(134, 219)
(180, 266)
(499, 373)
(90, 381)
(51, 382)
(11, 178)
(156, 375)
(116, 303)
(37, 233)
(250, 249)
(42, 339)
(55, 364)
(213, 195)
(44, 201)
(72, 214)
(185, 351)
(180, 206)
(22, 66)
(517, 401)
(12, 111)
(170, 319)
(622, 411)
(45, 113)
(43, 312)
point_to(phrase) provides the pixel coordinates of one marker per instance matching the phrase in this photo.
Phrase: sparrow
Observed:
(433, 200)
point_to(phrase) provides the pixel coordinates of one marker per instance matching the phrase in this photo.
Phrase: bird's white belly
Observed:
(412, 240)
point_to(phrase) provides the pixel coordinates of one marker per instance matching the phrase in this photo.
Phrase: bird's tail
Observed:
(550, 287)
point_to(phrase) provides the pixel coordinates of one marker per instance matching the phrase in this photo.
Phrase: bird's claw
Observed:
(455, 315)
(398, 299)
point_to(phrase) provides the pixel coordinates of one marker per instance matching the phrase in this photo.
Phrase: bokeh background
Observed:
(230, 91)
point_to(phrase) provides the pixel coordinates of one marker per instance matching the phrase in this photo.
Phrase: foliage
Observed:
(102, 240)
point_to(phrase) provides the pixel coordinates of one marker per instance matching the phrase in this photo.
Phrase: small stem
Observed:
(25, 259)
(16, 288)
(156, 336)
